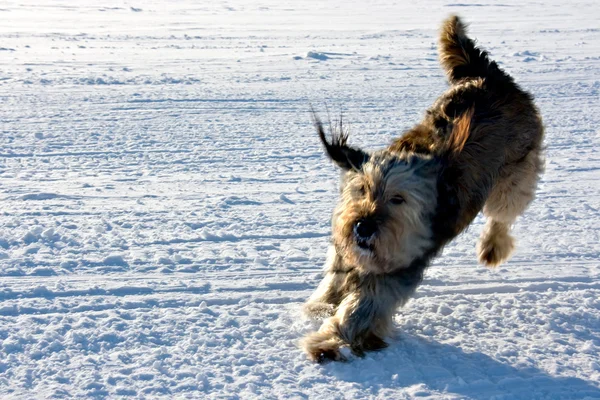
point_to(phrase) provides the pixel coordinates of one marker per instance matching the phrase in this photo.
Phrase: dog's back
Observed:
(487, 133)
(480, 87)
(480, 92)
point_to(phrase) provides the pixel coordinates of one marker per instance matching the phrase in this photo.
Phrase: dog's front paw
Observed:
(323, 347)
(318, 310)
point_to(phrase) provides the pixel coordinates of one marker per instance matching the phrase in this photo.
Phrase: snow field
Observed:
(165, 203)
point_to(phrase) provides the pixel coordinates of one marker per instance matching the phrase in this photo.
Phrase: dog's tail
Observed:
(459, 56)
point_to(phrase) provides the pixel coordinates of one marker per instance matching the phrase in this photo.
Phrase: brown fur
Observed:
(478, 148)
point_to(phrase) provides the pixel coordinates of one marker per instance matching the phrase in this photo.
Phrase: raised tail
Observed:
(461, 59)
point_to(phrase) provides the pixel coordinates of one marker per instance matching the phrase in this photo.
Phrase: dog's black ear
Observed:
(346, 157)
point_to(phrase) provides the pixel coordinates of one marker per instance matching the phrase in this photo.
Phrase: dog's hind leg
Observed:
(509, 198)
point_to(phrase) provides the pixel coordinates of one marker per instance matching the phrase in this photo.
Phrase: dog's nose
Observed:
(365, 228)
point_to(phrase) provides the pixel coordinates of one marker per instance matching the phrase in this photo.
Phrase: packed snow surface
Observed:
(165, 203)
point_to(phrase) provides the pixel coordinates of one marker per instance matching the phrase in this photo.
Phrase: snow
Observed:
(165, 203)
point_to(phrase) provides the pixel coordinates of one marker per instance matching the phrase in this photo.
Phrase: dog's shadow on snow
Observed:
(423, 366)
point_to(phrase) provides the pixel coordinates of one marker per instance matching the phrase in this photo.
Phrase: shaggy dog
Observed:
(479, 147)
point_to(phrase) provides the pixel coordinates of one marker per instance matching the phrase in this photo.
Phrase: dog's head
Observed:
(382, 221)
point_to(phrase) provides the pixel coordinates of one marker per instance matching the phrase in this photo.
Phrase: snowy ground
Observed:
(165, 204)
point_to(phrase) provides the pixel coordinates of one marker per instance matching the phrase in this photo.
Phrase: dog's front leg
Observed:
(326, 298)
(361, 322)
(357, 326)
(329, 293)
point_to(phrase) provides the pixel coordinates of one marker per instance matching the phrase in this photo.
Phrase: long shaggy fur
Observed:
(478, 148)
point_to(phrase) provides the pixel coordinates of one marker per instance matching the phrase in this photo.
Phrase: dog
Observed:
(478, 148)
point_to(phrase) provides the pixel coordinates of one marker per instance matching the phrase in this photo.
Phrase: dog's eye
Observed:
(362, 190)
(397, 200)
